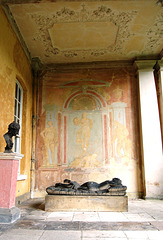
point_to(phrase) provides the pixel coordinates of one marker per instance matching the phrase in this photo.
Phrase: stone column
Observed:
(9, 163)
(151, 141)
(160, 63)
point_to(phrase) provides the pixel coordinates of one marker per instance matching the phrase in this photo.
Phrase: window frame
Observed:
(18, 110)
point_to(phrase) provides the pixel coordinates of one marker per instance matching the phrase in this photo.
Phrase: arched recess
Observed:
(83, 126)
(98, 97)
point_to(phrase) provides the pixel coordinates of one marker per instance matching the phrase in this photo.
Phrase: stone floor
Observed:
(144, 220)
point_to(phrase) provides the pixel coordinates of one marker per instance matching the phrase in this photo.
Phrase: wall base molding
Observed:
(22, 198)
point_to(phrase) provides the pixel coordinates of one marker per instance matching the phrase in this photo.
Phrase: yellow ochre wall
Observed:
(15, 65)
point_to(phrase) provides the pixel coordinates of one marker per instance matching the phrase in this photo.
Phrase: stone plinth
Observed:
(9, 163)
(86, 203)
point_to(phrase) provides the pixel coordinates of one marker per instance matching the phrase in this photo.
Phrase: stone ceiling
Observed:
(89, 31)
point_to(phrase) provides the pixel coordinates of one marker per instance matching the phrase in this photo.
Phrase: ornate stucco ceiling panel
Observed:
(76, 31)
(83, 35)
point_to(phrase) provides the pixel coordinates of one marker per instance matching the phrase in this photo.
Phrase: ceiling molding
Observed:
(53, 1)
(95, 33)
(160, 2)
(90, 65)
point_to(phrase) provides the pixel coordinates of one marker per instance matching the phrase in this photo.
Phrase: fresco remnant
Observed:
(49, 135)
(86, 128)
(83, 134)
(121, 140)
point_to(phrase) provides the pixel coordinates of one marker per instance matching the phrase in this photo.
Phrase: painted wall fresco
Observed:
(87, 128)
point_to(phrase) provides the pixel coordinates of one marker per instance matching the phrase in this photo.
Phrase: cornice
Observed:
(90, 65)
(48, 1)
(144, 65)
(160, 63)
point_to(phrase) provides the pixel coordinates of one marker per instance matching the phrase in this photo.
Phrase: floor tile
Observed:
(103, 234)
(117, 226)
(86, 216)
(61, 235)
(4, 227)
(35, 217)
(60, 216)
(144, 220)
(152, 235)
(24, 232)
(30, 224)
(107, 238)
(62, 226)
(136, 234)
(17, 237)
(134, 217)
(158, 225)
(146, 217)
(111, 217)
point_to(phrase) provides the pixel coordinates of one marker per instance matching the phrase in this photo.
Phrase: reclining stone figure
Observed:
(68, 184)
(113, 188)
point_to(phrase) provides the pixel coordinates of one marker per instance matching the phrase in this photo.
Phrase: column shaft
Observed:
(150, 131)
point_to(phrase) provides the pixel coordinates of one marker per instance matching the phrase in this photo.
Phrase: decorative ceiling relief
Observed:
(155, 34)
(76, 31)
(88, 32)
(83, 35)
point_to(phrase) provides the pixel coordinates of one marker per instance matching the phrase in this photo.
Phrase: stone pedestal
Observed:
(9, 163)
(54, 203)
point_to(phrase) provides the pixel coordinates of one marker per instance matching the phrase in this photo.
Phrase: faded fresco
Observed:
(85, 141)
(87, 130)
(49, 135)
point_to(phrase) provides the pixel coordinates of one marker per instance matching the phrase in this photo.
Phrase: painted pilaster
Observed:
(118, 116)
(151, 141)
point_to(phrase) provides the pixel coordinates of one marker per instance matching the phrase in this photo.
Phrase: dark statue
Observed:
(13, 130)
(111, 188)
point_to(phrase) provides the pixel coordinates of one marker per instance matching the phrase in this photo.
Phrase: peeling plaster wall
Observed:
(15, 65)
(88, 128)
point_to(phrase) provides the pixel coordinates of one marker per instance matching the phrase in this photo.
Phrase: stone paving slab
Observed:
(103, 234)
(105, 238)
(155, 235)
(112, 217)
(60, 235)
(30, 224)
(21, 234)
(158, 225)
(60, 216)
(18, 237)
(30, 233)
(117, 226)
(5, 227)
(86, 235)
(80, 225)
(150, 235)
(62, 226)
(86, 217)
(144, 220)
